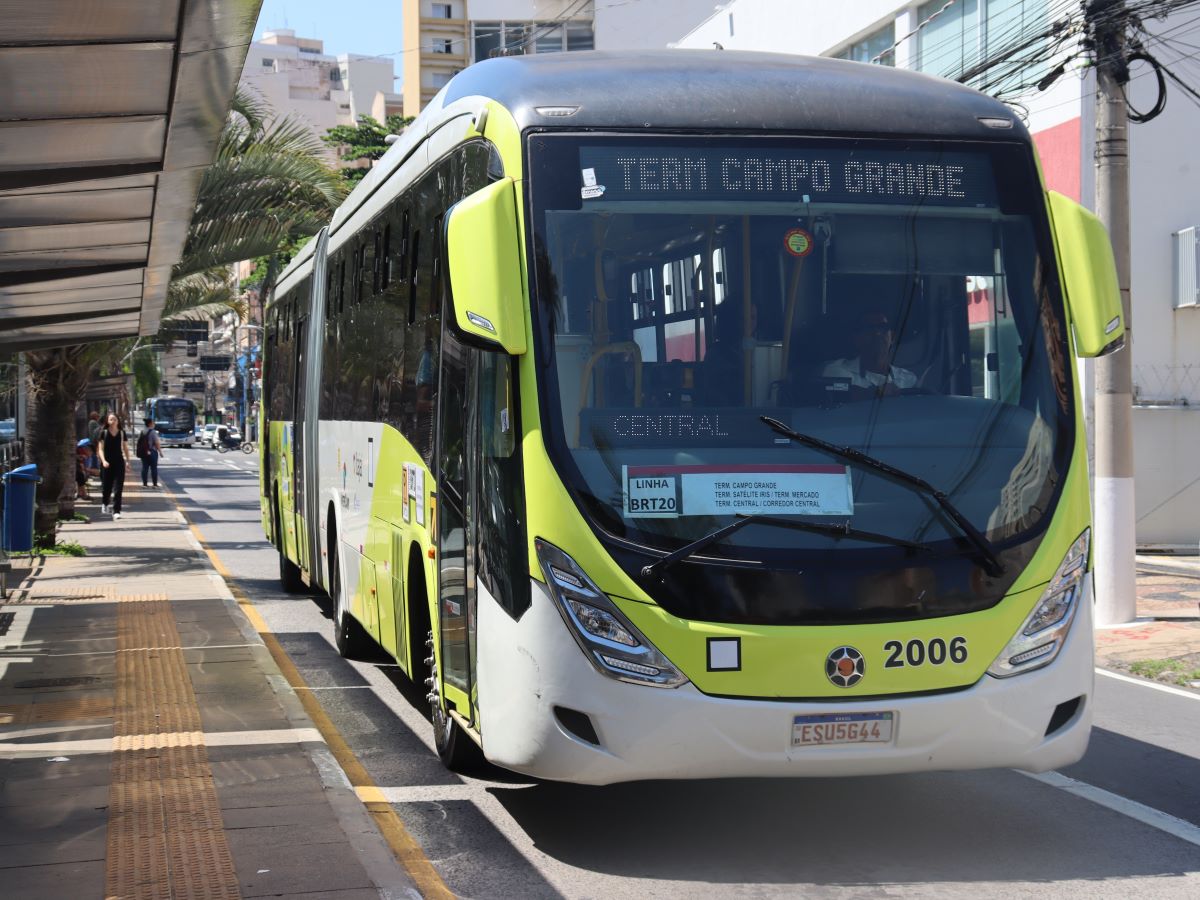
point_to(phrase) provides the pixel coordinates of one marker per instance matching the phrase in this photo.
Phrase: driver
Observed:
(871, 372)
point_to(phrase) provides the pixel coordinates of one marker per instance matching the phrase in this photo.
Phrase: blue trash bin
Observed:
(20, 487)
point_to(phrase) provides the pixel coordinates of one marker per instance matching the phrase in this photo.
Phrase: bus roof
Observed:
(731, 90)
(700, 90)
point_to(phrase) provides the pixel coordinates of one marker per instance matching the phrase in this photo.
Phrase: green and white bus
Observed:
(702, 414)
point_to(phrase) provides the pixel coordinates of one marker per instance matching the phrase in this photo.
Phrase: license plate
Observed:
(842, 728)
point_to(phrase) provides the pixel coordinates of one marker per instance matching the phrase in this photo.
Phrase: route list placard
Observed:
(667, 492)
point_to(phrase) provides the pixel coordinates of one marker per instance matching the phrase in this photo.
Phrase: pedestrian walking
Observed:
(93, 429)
(149, 449)
(114, 454)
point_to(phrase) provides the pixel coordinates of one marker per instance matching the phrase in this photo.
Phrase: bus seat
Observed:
(614, 386)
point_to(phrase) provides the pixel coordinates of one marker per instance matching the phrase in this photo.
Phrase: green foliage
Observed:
(270, 182)
(44, 545)
(146, 374)
(1181, 671)
(363, 141)
(283, 256)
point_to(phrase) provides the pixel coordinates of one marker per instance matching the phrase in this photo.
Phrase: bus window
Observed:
(385, 257)
(501, 497)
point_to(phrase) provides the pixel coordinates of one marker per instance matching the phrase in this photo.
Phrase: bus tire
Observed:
(289, 573)
(455, 748)
(289, 576)
(351, 640)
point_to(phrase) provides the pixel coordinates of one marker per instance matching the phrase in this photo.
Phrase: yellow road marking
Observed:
(403, 845)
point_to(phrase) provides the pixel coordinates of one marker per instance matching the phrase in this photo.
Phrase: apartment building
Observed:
(446, 36)
(947, 40)
(297, 77)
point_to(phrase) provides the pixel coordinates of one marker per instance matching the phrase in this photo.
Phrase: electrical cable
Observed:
(1159, 104)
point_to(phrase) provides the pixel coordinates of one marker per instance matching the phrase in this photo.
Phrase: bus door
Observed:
(308, 413)
(299, 491)
(456, 481)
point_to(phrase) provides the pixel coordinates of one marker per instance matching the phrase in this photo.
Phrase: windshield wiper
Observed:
(992, 563)
(836, 532)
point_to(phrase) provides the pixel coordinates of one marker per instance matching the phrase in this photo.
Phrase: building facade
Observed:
(951, 40)
(443, 37)
(297, 78)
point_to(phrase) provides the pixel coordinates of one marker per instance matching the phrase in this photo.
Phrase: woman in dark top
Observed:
(114, 454)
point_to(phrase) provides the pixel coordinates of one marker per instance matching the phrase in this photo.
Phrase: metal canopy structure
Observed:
(109, 114)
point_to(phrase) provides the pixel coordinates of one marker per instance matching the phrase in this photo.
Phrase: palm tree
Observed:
(268, 183)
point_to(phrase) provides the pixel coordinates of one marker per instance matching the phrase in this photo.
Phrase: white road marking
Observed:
(1185, 831)
(1153, 685)
(20, 750)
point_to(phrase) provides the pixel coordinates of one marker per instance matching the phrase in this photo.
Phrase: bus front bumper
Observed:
(531, 670)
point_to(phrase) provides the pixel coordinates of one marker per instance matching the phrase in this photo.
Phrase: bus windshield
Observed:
(174, 416)
(900, 299)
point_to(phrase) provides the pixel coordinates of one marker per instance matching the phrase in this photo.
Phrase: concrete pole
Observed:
(1113, 538)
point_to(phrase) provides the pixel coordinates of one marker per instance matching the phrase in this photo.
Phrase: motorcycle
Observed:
(232, 443)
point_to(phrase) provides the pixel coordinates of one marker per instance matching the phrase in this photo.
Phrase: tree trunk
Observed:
(57, 379)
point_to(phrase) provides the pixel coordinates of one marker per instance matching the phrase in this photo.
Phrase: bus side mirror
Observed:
(486, 287)
(1089, 277)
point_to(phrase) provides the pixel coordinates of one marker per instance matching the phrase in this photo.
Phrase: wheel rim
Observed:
(437, 715)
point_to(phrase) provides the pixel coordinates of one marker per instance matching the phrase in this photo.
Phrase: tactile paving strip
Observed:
(102, 593)
(57, 711)
(165, 835)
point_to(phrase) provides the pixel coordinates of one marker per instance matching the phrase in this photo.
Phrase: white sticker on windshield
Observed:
(651, 496)
(590, 188)
(785, 490)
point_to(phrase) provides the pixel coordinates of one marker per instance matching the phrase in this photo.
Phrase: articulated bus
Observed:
(702, 414)
(175, 419)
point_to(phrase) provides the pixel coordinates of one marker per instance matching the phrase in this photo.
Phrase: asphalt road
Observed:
(1124, 822)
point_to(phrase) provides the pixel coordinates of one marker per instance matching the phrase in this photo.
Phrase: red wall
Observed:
(1059, 149)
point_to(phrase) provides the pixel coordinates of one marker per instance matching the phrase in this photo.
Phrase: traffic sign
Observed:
(215, 363)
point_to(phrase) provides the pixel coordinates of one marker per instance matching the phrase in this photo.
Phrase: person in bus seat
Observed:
(870, 372)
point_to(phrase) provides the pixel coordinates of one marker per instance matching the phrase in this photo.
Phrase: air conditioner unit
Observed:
(1186, 243)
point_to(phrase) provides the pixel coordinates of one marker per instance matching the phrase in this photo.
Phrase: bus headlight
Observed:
(612, 643)
(1043, 633)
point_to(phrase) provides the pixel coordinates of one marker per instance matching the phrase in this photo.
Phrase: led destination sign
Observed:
(825, 175)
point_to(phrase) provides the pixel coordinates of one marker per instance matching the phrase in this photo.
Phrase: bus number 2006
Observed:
(917, 652)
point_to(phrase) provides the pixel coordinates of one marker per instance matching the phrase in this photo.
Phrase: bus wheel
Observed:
(289, 572)
(289, 576)
(455, 748)
(348, 635)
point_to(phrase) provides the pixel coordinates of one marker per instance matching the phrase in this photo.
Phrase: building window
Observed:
(490, 39)
(972, 31)
(486, 39)
(335, 74)
(879, 44)
(268, 62)
(443, 45)
(548, 38)
(580, 36)
(441, 79)
(516, 37)
(442, 11)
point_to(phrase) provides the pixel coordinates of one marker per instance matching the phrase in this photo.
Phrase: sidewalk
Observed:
(1168, 610)
(149, 745)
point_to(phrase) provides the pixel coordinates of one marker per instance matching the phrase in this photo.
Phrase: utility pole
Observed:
(1113, 541)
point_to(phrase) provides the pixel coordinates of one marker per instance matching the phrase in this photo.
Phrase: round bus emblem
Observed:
(845, 666)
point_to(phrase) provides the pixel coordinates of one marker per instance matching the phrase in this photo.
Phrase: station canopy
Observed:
(110, 112)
